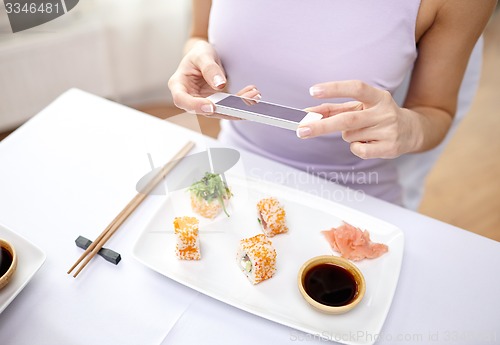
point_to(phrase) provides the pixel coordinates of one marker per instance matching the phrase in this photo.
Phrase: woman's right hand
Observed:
(199, 75)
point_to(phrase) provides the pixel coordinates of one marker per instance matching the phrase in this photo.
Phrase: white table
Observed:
(73, 167)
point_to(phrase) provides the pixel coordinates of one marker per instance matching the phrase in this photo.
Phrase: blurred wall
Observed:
(124, 50)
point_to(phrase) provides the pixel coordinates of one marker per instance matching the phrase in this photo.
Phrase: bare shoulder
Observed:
(470, 15)
(464, 15)
(446, 33)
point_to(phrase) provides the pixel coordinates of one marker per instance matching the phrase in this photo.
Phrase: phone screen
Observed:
(263, 108)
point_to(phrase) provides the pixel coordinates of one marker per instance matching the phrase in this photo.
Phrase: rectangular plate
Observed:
(29, 259)
(278, 299)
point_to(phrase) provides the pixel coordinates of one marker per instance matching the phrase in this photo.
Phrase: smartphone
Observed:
(263, 112)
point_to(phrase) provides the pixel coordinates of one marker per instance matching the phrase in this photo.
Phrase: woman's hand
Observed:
(199, 75)
(374, 125)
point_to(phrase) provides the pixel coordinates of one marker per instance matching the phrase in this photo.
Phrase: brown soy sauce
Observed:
(330, 285)
(5, 261)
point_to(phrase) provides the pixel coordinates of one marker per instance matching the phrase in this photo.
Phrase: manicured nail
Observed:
(303, 132)
(218, 80)
(207, 108)
(315, 91)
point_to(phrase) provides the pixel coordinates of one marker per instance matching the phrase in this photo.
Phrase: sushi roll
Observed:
(271, 216)
(210, 196)
(256, 258)
(187, 246)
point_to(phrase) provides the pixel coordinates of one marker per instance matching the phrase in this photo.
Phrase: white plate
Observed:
(29, 259)
(277, 299)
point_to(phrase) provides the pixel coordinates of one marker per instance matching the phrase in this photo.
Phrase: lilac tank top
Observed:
(286, 46)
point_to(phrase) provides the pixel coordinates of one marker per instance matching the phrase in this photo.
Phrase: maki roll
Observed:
(271, 217)
(187, 246)
(209, 196)
(256, 258)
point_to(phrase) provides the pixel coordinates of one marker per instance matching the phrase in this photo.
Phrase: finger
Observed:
(252, 95)
(251, 98)
(182, 99)
(360, 135)
(249, 89)
(249, 95)
(352, 120)
(330, 109)
(212, 72)
(249, 101)
(373, 149)
(354, 89)
(374, 133)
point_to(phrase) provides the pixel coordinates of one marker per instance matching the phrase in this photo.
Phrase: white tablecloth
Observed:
(73, 167)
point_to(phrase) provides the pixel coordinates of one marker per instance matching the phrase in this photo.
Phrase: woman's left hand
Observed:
(374, 125)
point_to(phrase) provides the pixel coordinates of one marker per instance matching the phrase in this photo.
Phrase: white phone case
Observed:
(260, 117)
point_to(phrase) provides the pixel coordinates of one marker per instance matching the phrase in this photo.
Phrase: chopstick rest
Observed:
(105, 235)
(107, 254)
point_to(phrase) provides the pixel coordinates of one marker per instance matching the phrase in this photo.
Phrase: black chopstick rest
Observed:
(107, 254)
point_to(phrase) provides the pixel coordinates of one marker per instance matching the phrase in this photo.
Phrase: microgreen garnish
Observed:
(211, 187)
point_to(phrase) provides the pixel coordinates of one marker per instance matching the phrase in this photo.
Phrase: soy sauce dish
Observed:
(331, 284)
(8, 262)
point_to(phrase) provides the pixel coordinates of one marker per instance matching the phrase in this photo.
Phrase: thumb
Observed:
(212, 73)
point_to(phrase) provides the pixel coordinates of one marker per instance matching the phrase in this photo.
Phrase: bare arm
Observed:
(443, 52)
(199, 24)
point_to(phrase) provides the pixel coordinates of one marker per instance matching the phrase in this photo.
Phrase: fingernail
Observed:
(207, 108)
(218, 80)
(258, 96)
(303, 132)
(315, 91)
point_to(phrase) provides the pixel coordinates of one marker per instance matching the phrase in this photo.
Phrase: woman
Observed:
(353, 55)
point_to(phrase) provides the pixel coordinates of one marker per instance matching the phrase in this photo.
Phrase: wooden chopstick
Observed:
(99, 242)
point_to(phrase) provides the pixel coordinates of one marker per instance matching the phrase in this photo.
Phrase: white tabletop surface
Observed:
(74, 166)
